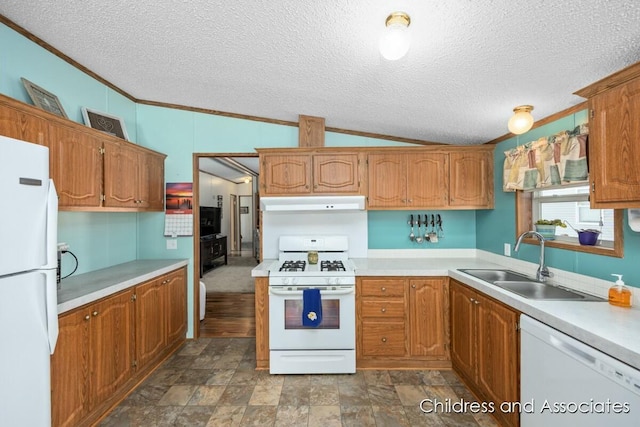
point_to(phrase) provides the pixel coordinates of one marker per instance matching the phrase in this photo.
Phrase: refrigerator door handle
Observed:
(51, 241)
(51, 296)
(51, 284)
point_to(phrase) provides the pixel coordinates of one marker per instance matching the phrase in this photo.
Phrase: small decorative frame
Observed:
(44, 99)
(107, 123)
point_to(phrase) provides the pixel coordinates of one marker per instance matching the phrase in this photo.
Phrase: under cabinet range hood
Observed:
(312, 203)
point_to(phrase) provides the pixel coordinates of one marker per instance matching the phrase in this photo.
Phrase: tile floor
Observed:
(213, 382)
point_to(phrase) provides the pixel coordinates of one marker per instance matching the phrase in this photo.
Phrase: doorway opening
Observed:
(229, 182)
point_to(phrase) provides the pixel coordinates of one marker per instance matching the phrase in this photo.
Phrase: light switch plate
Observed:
(172, 244)
(507, 249)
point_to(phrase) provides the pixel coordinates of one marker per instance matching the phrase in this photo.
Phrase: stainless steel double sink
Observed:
(528, 287)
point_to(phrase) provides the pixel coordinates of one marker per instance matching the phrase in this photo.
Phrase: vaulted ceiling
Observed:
(469, 64)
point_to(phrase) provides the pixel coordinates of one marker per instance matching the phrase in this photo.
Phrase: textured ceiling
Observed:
(469, 64)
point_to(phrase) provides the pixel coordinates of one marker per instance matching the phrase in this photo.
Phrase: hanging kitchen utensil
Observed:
(433, 236)
(426, 227)
(419, 235)
(411, 236)
(440, 231)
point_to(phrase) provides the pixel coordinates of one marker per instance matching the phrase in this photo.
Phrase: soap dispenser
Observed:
(619, 294)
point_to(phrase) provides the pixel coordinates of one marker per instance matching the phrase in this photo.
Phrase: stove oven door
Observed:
(336, 332)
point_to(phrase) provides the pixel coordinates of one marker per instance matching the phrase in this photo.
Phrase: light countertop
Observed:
(85, 288)
(612, 330)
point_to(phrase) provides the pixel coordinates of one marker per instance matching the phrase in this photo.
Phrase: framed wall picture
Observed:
(105, 122)
(44, 99)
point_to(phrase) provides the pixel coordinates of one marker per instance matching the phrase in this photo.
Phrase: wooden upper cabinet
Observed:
(21, 125)
(283, 172)
(422, 179)
(427, 180)
(614, 147)
(133, 178)
(129, 177)
(336, 173)
(75, 160)
(152, 181)
(387, 174)
(614, 131)
(121, 175)
(471, 179)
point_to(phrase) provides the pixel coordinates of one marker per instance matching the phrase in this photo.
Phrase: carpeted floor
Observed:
(233, 277)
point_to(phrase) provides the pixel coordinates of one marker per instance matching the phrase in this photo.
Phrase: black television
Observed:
(210, 220)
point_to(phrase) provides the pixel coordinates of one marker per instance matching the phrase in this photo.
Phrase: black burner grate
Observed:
(293, 266)
(332, 266)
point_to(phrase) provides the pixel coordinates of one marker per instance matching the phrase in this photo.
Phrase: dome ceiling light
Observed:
(396, 39)
(522, 120)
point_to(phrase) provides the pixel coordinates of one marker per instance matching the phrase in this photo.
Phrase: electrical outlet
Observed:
(172, 244)
(507, 249)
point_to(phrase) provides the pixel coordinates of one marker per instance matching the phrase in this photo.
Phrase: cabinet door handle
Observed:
(383, 289)
(476, 302)
(384, 339)
(472, 300)
(87, 317)
(413, 286)
(94, 314)
(384, 310)
(410, 200)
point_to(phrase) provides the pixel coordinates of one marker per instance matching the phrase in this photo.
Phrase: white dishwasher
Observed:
(564, 382)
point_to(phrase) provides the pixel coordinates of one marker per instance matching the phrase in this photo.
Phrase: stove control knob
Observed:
(285, 281)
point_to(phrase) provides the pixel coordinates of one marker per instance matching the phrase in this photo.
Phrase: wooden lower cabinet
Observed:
(262, 322)
(105, 348)
(83, 374)
(401, 323)
(485, 348)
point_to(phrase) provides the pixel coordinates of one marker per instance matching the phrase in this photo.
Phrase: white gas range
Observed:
(312, 262)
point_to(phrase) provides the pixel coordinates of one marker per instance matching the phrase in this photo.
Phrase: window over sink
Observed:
(570, 204)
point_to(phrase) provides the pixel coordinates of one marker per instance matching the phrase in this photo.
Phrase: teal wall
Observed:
(104, 239)
(498, 226)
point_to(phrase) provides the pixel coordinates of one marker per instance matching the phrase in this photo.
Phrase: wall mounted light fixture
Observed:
(522, 120)
(396, 39)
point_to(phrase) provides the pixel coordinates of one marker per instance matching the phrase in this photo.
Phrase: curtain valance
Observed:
(556, 160)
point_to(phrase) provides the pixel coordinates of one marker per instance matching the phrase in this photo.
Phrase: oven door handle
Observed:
(323, 292)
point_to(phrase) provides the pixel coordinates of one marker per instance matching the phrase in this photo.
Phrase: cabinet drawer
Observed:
(382, 288)
(383, 339)
(383, 308)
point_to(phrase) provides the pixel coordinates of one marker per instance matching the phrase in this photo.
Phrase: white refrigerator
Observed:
(28, 290)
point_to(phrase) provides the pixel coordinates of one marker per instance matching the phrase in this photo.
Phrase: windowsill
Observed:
(577, 247)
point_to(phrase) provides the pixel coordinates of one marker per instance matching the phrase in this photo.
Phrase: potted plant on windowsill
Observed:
(547, 227)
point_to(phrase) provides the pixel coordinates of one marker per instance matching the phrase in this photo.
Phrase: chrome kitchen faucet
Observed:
(543, 272)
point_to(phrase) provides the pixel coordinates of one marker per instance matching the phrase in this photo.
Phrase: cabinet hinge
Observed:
(102, 151)
(134, 298)
(103, 197)
(592, 113)
(593, 186)
(517, 326)
(134, 364)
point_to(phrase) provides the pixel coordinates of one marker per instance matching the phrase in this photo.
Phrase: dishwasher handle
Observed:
(572, 351)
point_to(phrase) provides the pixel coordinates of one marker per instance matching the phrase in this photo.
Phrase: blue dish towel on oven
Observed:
(311, 308)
